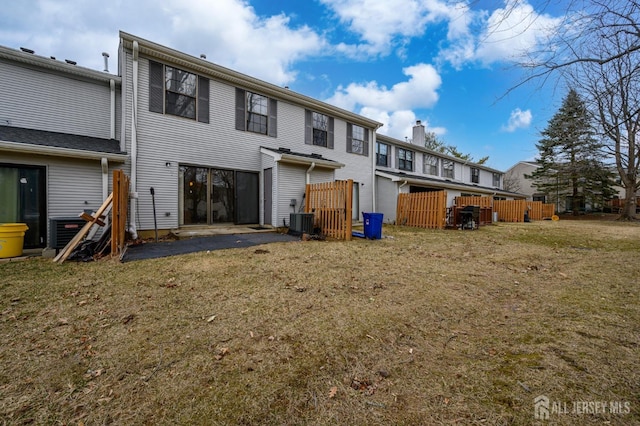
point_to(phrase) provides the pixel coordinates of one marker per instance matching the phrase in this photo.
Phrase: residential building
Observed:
(59, 130)
(403, 167)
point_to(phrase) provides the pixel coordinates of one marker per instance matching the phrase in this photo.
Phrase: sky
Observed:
(449, 64)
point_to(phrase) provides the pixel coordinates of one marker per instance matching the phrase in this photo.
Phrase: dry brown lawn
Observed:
(426, 327)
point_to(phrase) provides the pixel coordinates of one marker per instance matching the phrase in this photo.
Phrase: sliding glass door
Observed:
(211, 196)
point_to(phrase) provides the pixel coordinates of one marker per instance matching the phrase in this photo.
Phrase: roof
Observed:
(207, 68)
(413, 147)
(59, 144)
(285, 155)
(52, 64)
(444, 183)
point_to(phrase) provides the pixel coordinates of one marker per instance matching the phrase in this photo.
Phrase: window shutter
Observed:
(308, 127)
(240, 110)
(203, 99)
(156, 87)
(273, 118)
(349, 137)
(330, 134)
(366, 142)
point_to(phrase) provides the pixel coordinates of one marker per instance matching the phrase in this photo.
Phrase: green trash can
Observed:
(12, 239)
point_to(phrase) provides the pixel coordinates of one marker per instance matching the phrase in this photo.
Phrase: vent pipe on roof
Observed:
(203, 56)
(105, 55)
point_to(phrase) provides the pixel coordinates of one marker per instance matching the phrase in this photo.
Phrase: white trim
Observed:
(60, 152)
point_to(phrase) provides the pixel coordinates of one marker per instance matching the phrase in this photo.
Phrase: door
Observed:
(23, 200)
(268, 196)
(355, 202)
(223, 196)
(194, 198)
(247, 197)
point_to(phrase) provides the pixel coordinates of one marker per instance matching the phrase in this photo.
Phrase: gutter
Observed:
(61, 152)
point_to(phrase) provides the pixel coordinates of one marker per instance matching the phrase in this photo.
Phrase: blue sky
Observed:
(446, 63)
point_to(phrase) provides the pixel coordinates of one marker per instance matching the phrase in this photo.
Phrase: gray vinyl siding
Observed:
(387, 196)
(72, 186)
(166, 139)
(54, 102)
(291, 185)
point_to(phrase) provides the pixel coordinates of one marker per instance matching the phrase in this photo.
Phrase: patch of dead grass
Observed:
(426, 327)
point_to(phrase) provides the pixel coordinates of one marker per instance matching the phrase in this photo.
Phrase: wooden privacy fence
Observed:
(422, 209)
(485, 204)
(119, 212)
(474, 201)
(510, 210)
(331, 203)
(548, 210)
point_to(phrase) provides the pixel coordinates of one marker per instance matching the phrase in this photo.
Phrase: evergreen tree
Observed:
(571, 159)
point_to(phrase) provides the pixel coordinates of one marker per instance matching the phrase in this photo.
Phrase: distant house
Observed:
(403, 167)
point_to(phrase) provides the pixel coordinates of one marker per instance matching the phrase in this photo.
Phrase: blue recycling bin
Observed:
(372, 225)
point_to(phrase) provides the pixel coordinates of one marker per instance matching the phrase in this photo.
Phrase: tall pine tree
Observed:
(571, 160)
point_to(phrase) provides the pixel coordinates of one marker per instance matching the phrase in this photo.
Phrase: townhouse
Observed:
(203, 145)
(404, 167)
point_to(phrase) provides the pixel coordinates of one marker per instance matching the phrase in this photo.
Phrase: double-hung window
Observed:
(405, 159)
(318, 129)
(475, 175)
(357, 139)
(448, 169)
(430, 165)
(256, 113)
(382, 154)
(178, 92)
(257, 106)
(496, 180)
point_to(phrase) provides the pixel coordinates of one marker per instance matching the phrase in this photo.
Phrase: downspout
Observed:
(105, 177)
(403, 184)
(373, 169)
(112, 110)
(311, 167)
(134, 144)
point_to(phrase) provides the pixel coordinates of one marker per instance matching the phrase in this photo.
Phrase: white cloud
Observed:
(419, 91)
(392, 106)
(229, 32)
(383, 24)
(505, 34)
(518, 120)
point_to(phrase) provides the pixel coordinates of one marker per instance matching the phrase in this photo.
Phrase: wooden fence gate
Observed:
(119, 212)
(331, 204)
(422, 209)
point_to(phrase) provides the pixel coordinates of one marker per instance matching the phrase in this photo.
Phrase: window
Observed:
(405, 159)
(318, 129)
(382, 154)
(178, 92)
(448, 169)
(357, 139)
(496, 180)
(430, 165)
(475, 175)
(256, 113)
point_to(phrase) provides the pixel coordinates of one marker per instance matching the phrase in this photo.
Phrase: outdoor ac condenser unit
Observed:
(300, 223)
(63, 229)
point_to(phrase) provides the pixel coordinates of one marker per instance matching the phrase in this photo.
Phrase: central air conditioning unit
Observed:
(300, 223)
(63, 229)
